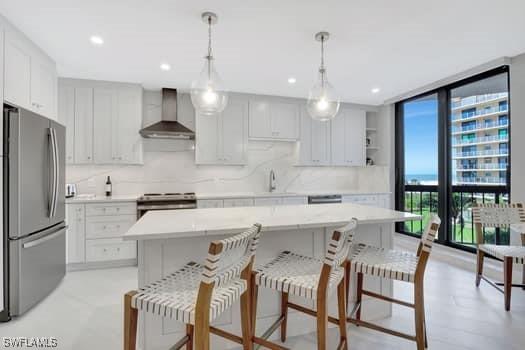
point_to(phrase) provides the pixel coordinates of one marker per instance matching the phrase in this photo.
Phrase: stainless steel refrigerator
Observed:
(33, 192)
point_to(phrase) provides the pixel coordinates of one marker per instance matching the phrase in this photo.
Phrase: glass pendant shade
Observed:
(208, 94)
(323, 101)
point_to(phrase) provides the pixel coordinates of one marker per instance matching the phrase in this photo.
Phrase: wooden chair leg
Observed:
(284, 314)
(253, 312)
(523, 278)
(341, 301)
(246, 320)
(419, 315)
(359, 295)
(130, 322)
(479, 266)
(347, 282)
(189, 333)
(507, 287)
(322, 323)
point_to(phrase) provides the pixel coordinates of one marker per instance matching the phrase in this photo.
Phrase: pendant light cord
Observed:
(322, 69)
(209, 57)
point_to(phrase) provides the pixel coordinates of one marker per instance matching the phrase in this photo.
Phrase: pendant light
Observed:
(208, 94)
(323, 101)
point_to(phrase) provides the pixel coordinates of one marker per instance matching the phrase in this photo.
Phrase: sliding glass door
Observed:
(452, 151)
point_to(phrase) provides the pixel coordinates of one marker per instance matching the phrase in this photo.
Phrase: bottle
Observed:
(108, 187)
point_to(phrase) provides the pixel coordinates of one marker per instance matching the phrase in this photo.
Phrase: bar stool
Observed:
(197, 294)
(395, 265)
(294, 274)
(499, 216)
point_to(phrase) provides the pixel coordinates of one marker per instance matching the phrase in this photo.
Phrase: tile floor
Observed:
(85, 313)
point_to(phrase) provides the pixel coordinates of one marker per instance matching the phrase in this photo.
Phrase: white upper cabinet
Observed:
(83, 126)
(223, 138)
(30, 77)
(348, 138)
(105, 119)
(271, 119)
(314, 148)
(17, 71)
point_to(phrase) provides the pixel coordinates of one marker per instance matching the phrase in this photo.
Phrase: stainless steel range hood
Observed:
(168, 127)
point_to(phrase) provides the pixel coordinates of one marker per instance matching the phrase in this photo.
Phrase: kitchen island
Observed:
(170, 238)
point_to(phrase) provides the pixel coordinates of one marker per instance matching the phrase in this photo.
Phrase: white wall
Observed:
(517, 132)
(169, 166)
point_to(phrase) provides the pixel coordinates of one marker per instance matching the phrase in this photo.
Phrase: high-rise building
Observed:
(480, 139)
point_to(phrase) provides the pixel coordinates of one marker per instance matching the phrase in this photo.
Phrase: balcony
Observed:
(423, 200)
(481, 113)
(480, 140)
(480, 154)
(476, 100)
(481, 180)
(476, 167)
(480, 126)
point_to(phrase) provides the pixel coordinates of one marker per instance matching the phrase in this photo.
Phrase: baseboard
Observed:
(101, 265)
(458, 258)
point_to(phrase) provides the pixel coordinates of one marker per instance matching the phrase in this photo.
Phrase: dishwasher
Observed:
(325, 199)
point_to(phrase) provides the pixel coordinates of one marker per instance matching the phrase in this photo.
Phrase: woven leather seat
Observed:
(296, 274)
(175, 296)
(383, 263)
(501, 252)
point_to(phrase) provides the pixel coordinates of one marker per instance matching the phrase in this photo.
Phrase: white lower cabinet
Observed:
(95, 233)
(268, 201)
(296, 200)
(210, 203)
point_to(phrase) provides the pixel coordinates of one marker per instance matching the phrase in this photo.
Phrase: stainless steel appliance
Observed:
(325, 199)
(165, 201)
(33, 199)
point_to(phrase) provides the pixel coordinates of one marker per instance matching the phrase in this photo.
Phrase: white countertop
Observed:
(222, 195)
(215, 221)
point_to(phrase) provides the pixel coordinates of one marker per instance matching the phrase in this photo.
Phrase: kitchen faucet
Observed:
(273, 185)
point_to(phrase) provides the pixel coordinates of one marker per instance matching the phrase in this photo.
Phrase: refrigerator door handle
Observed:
(41, 240)
(57, 170)
(54, 177)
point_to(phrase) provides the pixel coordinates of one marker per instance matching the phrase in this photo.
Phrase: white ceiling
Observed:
(395, 45)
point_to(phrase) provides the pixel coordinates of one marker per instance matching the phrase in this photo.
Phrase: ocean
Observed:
(423, 179)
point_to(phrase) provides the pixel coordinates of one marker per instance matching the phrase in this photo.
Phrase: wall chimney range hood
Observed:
(168, 127)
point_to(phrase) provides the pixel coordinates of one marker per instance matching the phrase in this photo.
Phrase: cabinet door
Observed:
(83, 125)
(268, 202)
(105, 125)
(234, 133)
(284, 120)
(298, 200)
(76, 234)
(126, 126)
(43, 88)
(17, 72)
(338, 139)
(355, 134)
(208, 128)
(210, 203)
(320, 142)
(238, 202)
(305, 141)
(66, 115)
(260, 125)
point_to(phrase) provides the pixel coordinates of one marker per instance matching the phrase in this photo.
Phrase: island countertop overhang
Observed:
(167, 224)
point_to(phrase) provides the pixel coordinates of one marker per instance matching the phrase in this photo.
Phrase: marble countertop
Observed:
(222, 195)
(215, 221)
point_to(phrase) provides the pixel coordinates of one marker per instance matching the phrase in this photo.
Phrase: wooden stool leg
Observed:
(359, 295)
(479, 267)
(419, 315)
(189, 333)
(322, 323)
(341, 301)
(347, 282)
(507, 287)
(523, 278)
(246, 320)
(284, 313)
(130, 322)
(253, 312)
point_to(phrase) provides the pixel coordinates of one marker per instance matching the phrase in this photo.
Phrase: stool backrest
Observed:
(496, 215)
(339, 245)
(425, 245)
(228, 257)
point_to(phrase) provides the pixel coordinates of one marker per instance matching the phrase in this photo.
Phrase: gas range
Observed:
(165, 201)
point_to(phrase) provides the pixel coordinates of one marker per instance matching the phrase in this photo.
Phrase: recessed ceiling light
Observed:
(292, 80)
(375, 90)
(165, 66)
(96, 40)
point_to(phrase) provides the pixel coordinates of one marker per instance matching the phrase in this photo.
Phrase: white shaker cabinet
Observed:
(83, 127)
(104, 111)
(314, 147)
(223, 138)
(17, 71)
(76, 234)
(273, 120)
(348, 138)
(66, 115)
(43, 88)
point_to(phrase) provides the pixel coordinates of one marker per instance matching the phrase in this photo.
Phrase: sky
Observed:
(421, 145)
